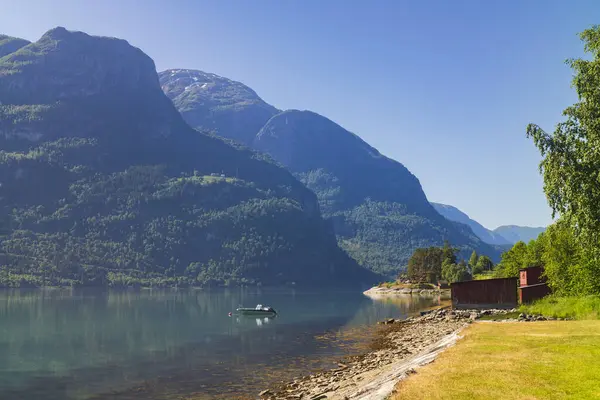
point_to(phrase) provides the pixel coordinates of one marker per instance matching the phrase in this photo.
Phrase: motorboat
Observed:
(258, 310)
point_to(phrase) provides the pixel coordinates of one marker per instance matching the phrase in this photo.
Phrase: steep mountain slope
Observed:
(216, 104)
(454, 214)
(379, 210)
(378, 207)
(515, 233)
(102, 182)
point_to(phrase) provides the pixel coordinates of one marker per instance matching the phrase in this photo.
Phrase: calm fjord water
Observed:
(174, 344)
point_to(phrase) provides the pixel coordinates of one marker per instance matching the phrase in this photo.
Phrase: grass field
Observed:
(514, 361)
(585, 307)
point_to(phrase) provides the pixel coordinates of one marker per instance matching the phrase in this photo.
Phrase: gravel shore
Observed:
(400, 347)
(396, 341)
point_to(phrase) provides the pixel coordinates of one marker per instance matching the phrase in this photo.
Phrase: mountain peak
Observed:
(52, 68)
(325, 135)
(102, 78)
(213, 103)
(63, 34)
(175, 82)
(58, 33)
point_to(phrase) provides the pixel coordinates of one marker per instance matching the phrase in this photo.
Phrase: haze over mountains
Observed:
(515, 233)
(378, 208)
(103, 183)
(503, 235)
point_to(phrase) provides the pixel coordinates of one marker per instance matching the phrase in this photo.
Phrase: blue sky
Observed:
(445, 87)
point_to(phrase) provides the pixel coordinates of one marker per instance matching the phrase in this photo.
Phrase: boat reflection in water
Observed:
(241, 319)
(265, 320)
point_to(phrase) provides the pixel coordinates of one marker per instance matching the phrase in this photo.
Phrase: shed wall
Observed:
(527, 294)
(488, 293)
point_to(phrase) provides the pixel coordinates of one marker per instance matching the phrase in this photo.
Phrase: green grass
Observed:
(484, 275)
(550, 360)
(214, 179)
(581, 308)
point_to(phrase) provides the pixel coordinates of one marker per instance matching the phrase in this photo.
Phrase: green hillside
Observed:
(103, 183)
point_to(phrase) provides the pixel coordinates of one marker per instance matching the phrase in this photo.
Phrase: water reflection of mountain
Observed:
(379, 308)
(67, 345)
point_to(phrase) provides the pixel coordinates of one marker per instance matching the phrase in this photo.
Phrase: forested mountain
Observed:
(454, 214)
(515, 233)
(10, 44)
(102, 182)
(380, 212)
(216, 104)
(378, 208)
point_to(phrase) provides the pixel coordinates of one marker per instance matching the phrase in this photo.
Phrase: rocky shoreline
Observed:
(400, 347)
(403, 291)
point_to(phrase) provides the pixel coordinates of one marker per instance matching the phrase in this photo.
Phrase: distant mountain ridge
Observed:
(379, 210)
(454, 214)
(515, 233)
(503, 235)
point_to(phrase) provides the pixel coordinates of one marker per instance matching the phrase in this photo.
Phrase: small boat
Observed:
(258, 310)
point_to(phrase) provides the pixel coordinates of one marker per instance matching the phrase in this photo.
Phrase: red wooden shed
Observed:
(487, 293)
(533, 285)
